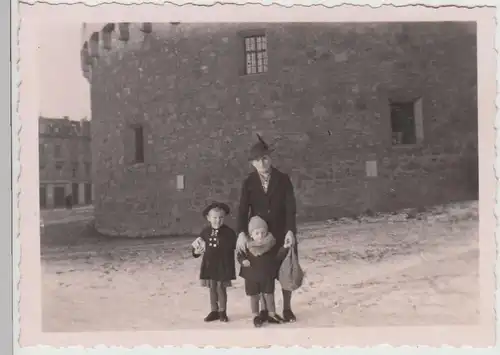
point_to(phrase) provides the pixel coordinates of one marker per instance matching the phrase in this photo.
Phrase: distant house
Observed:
(364, 116)
(65, 162)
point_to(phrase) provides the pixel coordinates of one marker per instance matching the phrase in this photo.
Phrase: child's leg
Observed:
(254, 304)
(214, 305)
(214, 297)
(263, 305)
(271, 306)
(222, 296)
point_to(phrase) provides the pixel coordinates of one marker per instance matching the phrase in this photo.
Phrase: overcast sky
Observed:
(64, 90)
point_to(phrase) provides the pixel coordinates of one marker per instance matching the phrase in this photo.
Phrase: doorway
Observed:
(59, 196)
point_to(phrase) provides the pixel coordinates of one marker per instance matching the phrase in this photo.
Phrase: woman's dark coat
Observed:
(277, 207)
(218, 261)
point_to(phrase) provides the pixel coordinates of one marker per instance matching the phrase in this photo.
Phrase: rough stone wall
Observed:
(323, 103)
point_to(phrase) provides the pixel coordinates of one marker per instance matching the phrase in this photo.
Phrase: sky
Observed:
(64, 91)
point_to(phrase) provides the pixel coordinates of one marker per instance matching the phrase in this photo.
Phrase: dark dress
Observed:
(218, 262)
(277, 207)
(261, 274)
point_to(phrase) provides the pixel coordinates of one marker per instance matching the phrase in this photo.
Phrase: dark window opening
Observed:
(57, 151)
(403, 123)
(74, 169)
(138, 144)
(43, 197)
(87, 169)
(255, 54)
(87, 189)
(74, 193)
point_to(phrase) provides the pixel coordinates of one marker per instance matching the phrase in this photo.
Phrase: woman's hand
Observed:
(289, 240)
(241, 242)
(245, 263)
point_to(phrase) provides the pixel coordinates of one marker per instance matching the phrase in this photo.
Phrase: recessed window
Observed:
(57, 151)
(59, 165)
(406, 122)
(138, 144)
(74, 169)
(87, 168)
(255, 54)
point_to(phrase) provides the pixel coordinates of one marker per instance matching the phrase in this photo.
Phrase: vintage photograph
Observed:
(258, 175)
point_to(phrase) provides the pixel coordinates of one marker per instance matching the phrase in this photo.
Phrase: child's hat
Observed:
(256, 223)
(216, 204)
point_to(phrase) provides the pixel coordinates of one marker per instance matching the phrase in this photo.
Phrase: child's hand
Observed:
(245, 263)
(199, 245)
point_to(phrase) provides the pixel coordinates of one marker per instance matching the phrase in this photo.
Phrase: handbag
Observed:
(291, 274)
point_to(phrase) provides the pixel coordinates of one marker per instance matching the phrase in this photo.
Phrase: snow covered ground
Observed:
(401, 269)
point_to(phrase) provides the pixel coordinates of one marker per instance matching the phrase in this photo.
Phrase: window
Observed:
(74, 168)
(59, 165)
(406, 122)
(256, 54)
(41, 149)
(138, 144)
(87, 168)
(57, 151)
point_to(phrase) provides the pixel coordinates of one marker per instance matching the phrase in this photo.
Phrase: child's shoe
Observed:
(214, 315)
(274, 319)
(288, 316)
(258, 321)
(223, 316)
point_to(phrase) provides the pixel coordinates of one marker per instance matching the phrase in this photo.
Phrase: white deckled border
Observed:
(17, 173)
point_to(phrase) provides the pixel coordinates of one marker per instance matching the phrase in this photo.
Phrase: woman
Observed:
(268, 193)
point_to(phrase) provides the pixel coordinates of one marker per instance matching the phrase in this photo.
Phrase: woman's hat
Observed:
(259, 149)
(213, 205)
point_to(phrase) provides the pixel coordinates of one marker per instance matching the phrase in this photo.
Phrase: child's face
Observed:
(216, 218)
(259, 234)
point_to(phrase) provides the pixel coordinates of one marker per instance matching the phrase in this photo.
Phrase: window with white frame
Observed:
(256, 59)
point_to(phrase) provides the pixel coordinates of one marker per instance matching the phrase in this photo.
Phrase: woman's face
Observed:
(262, 165)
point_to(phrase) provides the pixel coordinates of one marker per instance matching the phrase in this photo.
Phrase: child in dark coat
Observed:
(217, 243)
(259, 265)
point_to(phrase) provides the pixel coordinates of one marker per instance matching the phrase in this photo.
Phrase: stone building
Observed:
(65, 162)
(364, 117)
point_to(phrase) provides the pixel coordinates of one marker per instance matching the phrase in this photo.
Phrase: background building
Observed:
(65, 162)
(364, 117)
